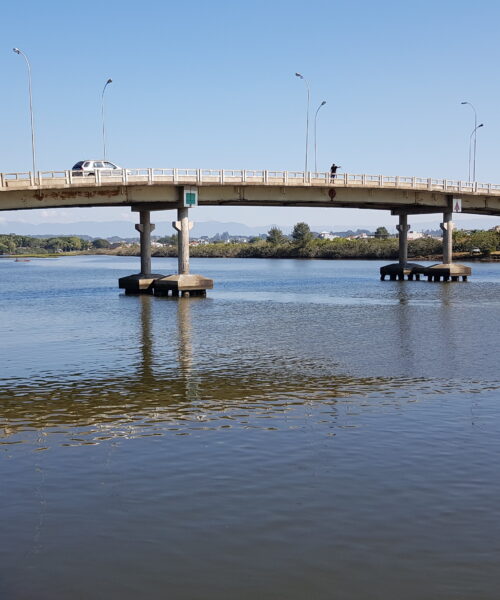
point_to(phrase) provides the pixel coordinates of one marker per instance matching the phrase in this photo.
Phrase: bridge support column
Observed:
(183, 226)
(184, 282)
(403, 267)
(145, 227)
(142, 283)
(447, 269)
(447, 228)
(403, 229)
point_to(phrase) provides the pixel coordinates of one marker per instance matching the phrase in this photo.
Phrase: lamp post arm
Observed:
(32, 120)
(315, 149)
(102, 115)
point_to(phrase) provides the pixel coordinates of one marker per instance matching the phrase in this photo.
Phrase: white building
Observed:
(327, 235)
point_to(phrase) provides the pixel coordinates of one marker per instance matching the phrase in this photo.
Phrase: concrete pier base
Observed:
(446, 272)
(183, 285)
(398, 272)
(138, 283)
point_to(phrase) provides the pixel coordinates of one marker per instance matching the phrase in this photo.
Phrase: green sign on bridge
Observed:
(190, 197)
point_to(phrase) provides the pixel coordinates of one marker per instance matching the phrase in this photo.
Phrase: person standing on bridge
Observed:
(333, 171)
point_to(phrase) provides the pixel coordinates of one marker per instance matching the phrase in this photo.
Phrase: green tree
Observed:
(100, 243)
(381, 232)
(301, 234)
(54, 244)
(168, 240)
(275, 236)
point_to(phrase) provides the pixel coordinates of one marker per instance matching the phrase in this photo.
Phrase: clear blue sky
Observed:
(211, 84)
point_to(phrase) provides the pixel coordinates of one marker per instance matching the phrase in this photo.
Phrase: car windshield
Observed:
(77, 166)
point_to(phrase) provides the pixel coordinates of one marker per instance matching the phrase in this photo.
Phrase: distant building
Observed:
(327, 235)
(359, 236)
(415, 235)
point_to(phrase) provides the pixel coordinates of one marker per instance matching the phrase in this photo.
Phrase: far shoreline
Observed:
(494, 257)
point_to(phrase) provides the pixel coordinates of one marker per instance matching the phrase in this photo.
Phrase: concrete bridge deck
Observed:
(159, 190)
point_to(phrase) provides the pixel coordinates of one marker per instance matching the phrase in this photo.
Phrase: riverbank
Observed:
(171, 252)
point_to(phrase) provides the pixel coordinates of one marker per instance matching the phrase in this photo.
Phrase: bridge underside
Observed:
(165, 197)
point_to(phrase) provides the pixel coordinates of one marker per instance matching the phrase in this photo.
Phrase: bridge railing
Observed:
(150, 176)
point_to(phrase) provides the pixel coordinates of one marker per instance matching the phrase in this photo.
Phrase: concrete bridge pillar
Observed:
(447, 228)
(398, 271)
(447, 269)
(403, 229)
(184, 283)
(142, 283)
(145, 227)
(183, 226)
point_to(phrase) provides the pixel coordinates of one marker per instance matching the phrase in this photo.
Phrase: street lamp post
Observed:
(470, 143)
(474, 152)
(315, 118)
(33, 153)
(307, 116)
(102, 114)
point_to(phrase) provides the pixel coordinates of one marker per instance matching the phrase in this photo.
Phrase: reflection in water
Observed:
(146, 363)
(153, 398)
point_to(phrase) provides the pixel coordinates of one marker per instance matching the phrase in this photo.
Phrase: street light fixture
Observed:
(307, 116)
(33, 153)
(475, 138)
(102, 114)
(470, 142)
(315, 118)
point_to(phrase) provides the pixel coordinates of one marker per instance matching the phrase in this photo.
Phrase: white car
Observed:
(89, 167)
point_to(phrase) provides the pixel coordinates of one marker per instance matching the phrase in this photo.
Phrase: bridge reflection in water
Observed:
(154, 397)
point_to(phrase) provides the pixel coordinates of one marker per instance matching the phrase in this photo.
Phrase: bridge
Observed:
(57, 189)
(146, 190)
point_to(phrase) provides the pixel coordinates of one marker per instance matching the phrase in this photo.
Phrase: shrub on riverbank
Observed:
(338, 248)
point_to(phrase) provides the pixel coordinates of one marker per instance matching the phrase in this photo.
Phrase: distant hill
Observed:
(125, 229)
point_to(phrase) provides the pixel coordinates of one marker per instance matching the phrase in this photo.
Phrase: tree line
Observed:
(24, 244)
(300, 244)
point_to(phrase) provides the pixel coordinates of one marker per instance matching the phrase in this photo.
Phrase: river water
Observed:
(305, 431)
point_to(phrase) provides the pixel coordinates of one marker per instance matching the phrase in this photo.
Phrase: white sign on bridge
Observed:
(457, 205)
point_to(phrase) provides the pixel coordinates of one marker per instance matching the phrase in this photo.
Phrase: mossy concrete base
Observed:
(138, 283)
(396, 271)
(186, 285)
(447, 271)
